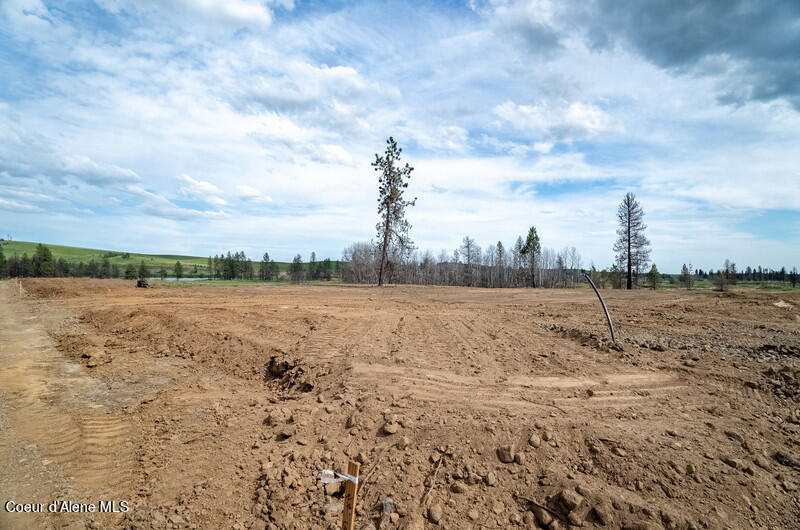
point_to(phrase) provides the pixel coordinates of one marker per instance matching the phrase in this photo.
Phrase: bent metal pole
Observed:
(608, 317)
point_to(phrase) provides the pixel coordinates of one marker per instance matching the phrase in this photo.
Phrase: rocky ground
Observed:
(467, 408)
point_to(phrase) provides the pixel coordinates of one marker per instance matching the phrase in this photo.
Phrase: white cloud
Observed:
(559, 120)
(248, 193)
(198, 189)
(159, 206)
(96, 173)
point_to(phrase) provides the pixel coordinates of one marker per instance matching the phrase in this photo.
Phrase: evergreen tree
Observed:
(264, 270)
(686, 276)
(142, 273)
(326, 269)
(653, 277)
(296, 269)
(179, 269)
(531, 249)
(25, 266)
(393, 227)
(274, 270)
(3, 270)
(44, 261)
(93, 269)
(61, 268)
(130, 272)
(114, 270)
(312, 266)
(162, 272)
(105, 268)
(632, 247)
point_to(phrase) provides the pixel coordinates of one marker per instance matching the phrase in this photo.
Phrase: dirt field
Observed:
(217, 407)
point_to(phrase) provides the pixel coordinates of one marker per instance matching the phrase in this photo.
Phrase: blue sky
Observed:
(195, 126)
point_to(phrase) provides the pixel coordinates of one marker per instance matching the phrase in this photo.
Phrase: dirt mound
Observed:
(71, 287)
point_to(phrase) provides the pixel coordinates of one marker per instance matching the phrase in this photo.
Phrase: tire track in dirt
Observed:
(62, 438)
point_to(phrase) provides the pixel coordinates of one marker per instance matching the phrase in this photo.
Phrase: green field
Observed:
(153, 261)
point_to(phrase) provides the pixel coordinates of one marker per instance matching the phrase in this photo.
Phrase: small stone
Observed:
(529, 519)
(332, 488)
(458, 487)
(390, 427)
(690, 469)
(575, 518)
(735, 463)
(519, 458)
(515, 518)
(547, 436)
(473, 514)
(506, 453)
(602, 514)
(403, 442)
(534, 440)
(570, 498)
(497, 507)
(490, 478)
(394, 518)
(435, 513)
(542, 516)
(619, 451)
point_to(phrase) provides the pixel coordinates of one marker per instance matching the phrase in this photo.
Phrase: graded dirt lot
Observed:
(217, 407)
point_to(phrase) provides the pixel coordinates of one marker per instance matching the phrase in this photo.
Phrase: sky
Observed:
(196, 126)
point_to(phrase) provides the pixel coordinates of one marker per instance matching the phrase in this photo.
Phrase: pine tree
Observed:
(296, 269)
(142, 273)
(105, 268)
(654, 277)
(632, 247)
(531, 249)
(393, 227)
(44, 260)
(178, 269)
(162, 273)
(312, 266)
(264, 271)
(686, 276)
(130, 272)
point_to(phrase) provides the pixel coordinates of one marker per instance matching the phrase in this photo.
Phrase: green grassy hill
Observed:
(152, 261)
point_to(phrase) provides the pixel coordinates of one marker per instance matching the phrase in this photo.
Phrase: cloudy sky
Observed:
(197, 126)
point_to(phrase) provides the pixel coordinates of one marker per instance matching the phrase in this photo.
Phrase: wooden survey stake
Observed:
(350, 491)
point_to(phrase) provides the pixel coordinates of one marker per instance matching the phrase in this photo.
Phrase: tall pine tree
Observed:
(632, 247)
(393, 227)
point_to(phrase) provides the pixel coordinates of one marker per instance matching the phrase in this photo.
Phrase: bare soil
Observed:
(217, 407)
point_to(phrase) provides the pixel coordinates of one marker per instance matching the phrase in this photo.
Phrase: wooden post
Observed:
(350, 491)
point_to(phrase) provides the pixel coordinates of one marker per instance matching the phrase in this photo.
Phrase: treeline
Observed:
(42, 264)
(469, 265)
(236, 266)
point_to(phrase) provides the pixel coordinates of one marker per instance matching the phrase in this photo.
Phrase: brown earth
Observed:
(217, 407)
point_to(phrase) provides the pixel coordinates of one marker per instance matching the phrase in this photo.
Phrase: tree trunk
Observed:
(630, 282)
(385, 245)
